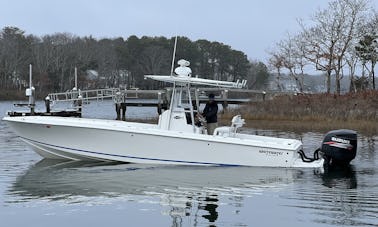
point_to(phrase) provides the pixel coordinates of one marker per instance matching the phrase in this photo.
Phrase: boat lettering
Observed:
(335, 139)
(271, 153)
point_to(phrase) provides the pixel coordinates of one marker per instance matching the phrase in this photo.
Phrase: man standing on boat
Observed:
(210, 113)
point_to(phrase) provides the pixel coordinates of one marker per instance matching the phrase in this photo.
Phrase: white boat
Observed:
(172, 141)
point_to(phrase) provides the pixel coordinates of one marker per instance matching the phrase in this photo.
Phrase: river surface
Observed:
(37, 192)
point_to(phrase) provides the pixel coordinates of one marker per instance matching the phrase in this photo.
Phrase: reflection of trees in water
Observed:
(210, 205)
(201, 209)
(188, 195)
(369, 148)
(330, 196)
(176, 218)
(337, 196)
(194, 207)
(340, 177)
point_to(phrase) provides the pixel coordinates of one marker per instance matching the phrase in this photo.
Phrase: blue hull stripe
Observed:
(132, 157)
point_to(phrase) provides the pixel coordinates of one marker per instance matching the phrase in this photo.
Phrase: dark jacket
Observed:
(210, 112)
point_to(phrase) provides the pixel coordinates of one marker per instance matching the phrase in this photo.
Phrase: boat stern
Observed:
(299, 163)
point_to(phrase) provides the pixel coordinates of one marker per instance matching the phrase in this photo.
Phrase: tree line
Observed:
(116, 61)
(337, 41)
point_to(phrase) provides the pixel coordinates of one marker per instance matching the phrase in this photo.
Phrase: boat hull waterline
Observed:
(109, 140)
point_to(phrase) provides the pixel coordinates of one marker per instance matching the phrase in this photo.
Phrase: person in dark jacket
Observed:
(210, 113)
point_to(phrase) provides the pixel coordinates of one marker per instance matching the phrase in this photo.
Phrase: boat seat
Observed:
(224, 131)
(229, 131)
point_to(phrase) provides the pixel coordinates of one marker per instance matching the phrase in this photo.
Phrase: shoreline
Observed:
(312, 112)
(362, 127)
(366, 128)
(299, 113)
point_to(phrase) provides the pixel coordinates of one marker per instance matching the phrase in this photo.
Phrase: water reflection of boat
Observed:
(93, 179)
(183, 189)
(337, 177)
(332, 197)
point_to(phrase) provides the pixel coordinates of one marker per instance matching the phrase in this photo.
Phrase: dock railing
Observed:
(73, 95)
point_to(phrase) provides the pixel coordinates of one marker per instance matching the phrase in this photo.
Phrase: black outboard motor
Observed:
(339, 147)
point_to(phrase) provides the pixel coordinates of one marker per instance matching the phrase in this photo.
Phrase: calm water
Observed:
(36, 192)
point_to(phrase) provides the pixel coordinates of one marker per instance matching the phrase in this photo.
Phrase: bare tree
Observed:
(292, 52)
(320, 46)
(276, 62)
(367, 47)
(154, 60)
(42, 55)
(57, 57)
(335, 29)
(14, 56)
(257, 75)
(351, 60)
(367, 51)
(352, 14)
(107, 65)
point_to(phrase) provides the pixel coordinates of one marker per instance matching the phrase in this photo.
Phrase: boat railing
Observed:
(100, 94)
(74, 95)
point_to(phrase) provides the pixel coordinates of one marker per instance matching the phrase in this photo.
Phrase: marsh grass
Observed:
(316, 112)
(12, 95)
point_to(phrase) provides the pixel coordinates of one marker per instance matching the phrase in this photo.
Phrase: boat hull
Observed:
(106, 140)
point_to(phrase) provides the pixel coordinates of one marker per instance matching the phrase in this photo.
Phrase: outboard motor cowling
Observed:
(339, 147)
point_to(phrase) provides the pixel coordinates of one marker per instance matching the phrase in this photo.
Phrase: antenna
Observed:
(173, 56)
(76, 77)
(30, 76)
(174, 84)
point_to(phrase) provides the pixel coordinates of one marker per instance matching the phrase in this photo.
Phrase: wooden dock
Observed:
(138, 98)
(144, 98)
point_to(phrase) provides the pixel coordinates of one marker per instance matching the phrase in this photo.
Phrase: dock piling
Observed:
(47, 104)
(120, 105)
(30, 92)
(80, 104)
(225, 98)
(123, 111)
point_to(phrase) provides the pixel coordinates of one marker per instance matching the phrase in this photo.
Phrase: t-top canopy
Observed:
(184, 77)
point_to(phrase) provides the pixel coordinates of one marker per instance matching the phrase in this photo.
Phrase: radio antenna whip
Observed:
(173, 56)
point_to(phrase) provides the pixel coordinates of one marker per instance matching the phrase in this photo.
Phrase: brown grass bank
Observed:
(315, 112)
(12, 95)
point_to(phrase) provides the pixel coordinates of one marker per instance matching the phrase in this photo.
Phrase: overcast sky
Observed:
(252, 26)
